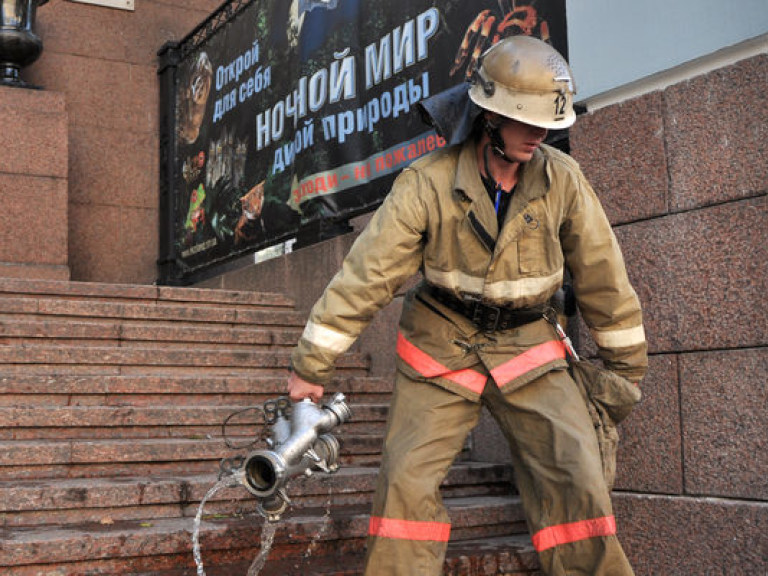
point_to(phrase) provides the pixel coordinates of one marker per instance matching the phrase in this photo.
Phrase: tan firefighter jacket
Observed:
(438, 219)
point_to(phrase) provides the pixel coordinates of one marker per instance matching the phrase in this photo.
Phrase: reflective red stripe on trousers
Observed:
(472, 380)
(573, 532)
(528, 360)
(428, 367)
(409, 529)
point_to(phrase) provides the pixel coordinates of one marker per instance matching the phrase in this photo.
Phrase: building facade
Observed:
(676, 151)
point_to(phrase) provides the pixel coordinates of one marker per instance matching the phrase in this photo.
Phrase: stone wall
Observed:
(103, 63)
(683, 177)
(33, 184)
(682, 174)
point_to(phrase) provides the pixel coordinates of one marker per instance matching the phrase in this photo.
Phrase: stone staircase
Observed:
(112, 401)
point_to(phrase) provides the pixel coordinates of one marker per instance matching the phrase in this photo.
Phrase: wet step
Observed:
(100, 500)
(24, 389)
(142, 547)
(500, 556)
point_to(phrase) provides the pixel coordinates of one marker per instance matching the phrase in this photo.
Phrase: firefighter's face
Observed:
(520, 140)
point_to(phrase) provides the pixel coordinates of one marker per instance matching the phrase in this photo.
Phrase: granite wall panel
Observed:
(717, 135)
(650, 449)
(379, 340)
(105, 93)
(33, 184)
(309, 269)
(35, 129)
(113, 167)
(34, 226)
(94, 242)
(621, 151)
(118, 35)
(243, 275)
(674, 536)
(136, 240)
(700, 276)
(725, 422)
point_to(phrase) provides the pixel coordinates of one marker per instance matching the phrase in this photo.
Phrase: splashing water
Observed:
(267, 538)
(225, 482)
(267, 532)
(326, 520)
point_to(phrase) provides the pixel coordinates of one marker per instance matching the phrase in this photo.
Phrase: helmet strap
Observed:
(488, 175)
(497, 141)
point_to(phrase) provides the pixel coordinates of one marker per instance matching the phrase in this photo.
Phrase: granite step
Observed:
(19, 308)
(80, 458)
(10, 287)
(164, 544)
(24, 389)
(511, 555)
(104, 500)
(117, 332)
(156, 421)
(106, 360)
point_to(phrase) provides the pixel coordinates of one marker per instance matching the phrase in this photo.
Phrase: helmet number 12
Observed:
(560, 102)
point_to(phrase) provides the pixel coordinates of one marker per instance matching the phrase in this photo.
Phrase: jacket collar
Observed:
(471, 187)
(533, 183)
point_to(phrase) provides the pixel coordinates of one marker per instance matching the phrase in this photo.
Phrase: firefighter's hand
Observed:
(299, 389)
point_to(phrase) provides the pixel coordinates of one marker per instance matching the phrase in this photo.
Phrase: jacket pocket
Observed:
(537, 250)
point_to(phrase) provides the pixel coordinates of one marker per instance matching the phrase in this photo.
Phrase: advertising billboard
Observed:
(278, 116)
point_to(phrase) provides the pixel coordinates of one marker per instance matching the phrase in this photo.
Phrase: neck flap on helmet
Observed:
(451, 113)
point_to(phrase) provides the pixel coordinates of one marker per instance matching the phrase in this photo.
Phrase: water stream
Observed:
(267, 531)
(326, 520)
(225, 482)
(267, 538)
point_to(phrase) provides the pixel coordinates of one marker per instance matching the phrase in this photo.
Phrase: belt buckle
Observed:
(487, 317)
(492, 313)
(484, 316)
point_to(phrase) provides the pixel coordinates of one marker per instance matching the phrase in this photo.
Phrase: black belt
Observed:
(485, 316)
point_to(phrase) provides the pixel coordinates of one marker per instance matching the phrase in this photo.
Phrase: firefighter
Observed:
(491, 224)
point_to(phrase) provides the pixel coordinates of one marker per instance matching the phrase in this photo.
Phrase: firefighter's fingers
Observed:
(299, 389)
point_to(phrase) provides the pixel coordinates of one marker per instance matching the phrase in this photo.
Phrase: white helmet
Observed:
(524, 78)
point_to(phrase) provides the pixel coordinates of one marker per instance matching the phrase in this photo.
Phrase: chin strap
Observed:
(497, 142)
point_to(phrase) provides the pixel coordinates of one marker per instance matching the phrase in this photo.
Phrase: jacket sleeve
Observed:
(383, 257)
(607, 302)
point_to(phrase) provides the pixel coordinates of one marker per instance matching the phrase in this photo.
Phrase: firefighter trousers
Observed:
(557, 469)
